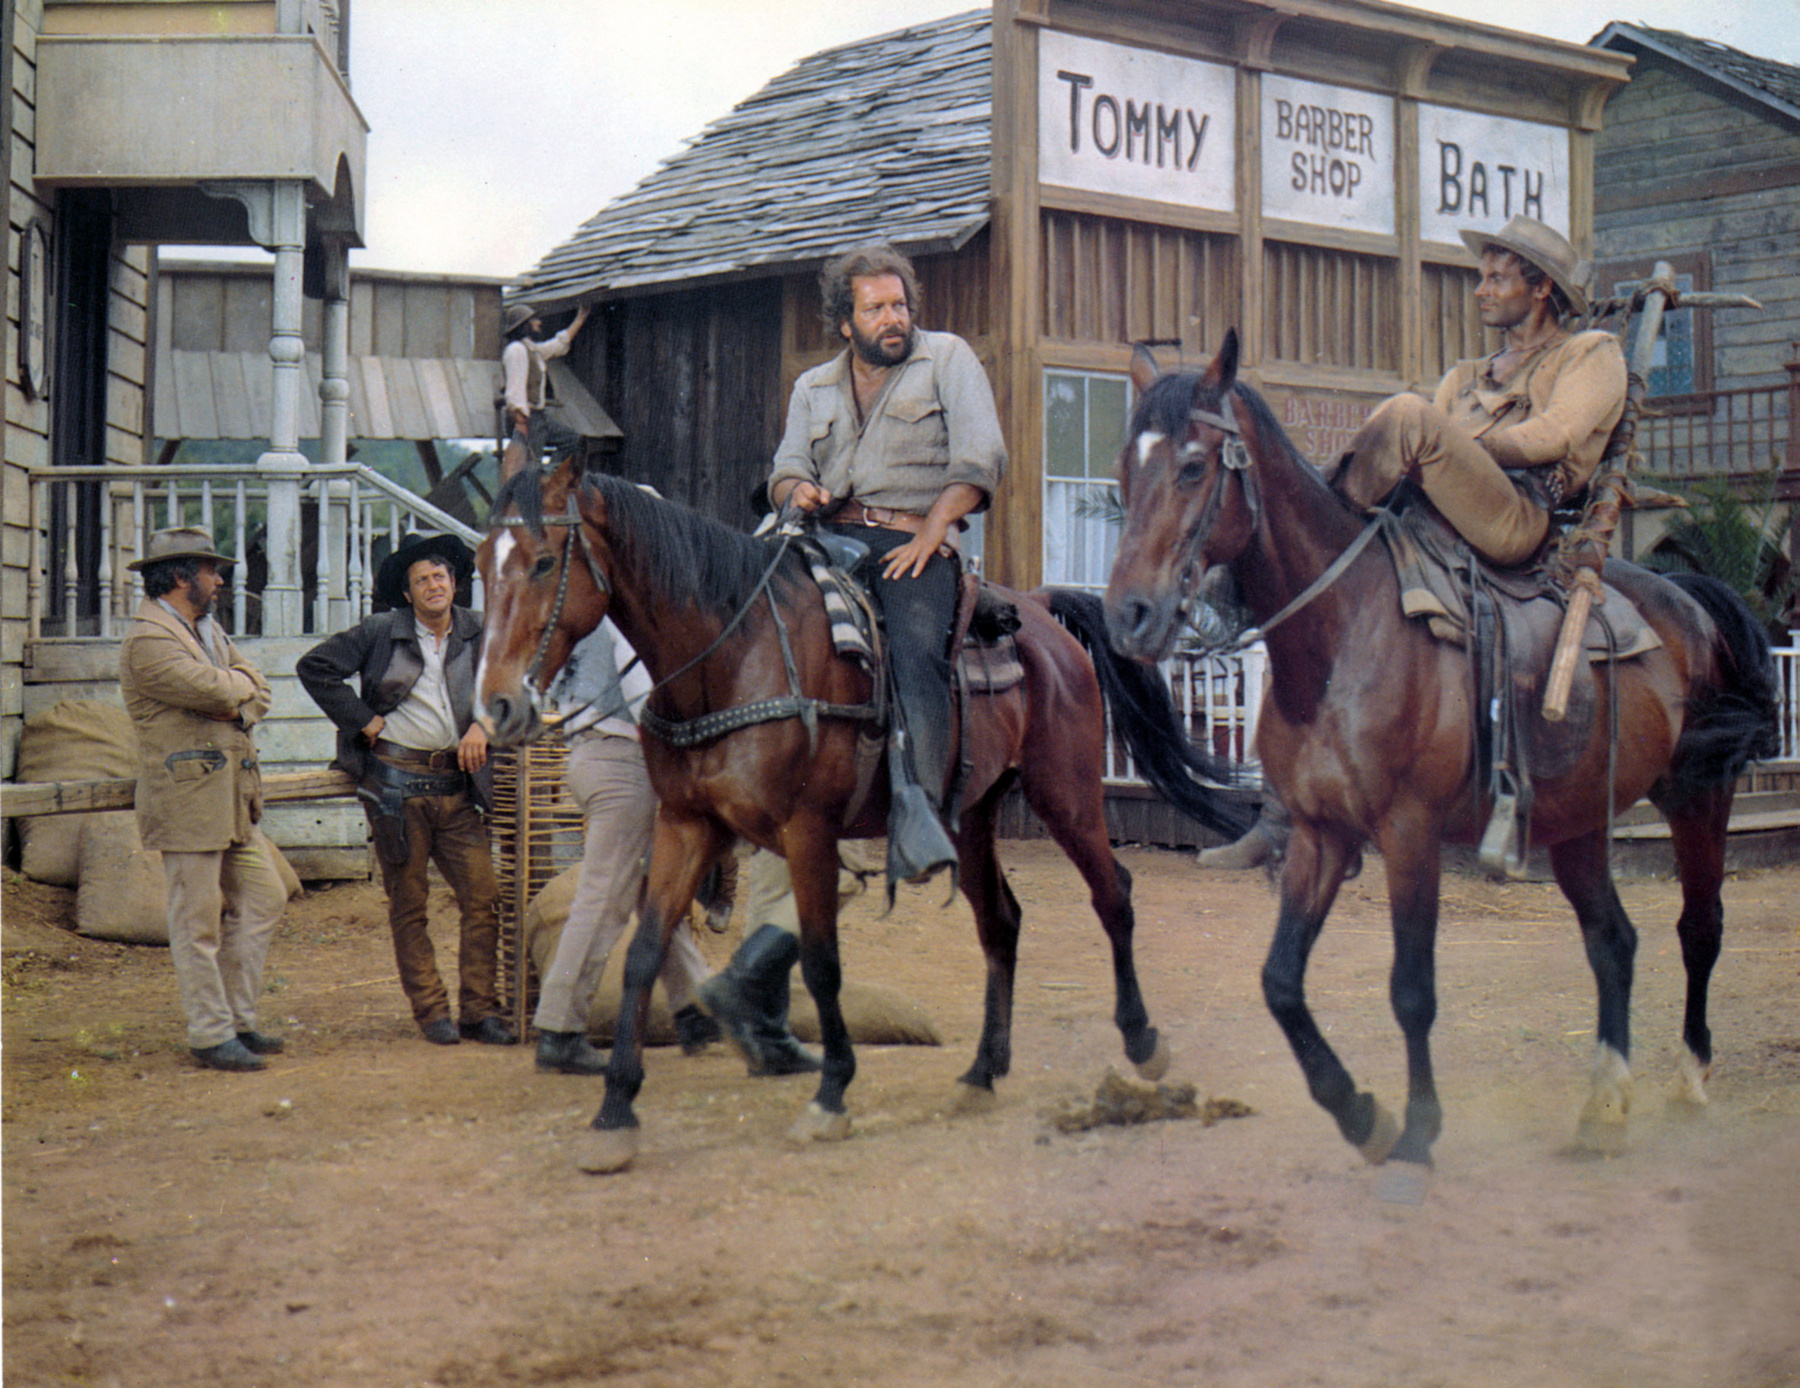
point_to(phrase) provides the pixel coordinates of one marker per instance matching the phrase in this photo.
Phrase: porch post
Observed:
(283, 466)
(332, 605)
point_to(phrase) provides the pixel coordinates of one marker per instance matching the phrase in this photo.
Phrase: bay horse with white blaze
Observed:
(754, 731)
(1366, 736)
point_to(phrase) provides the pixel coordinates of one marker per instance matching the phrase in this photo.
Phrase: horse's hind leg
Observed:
(1698, 828)
(997, 917)
(1581, 871)
(1076, 819)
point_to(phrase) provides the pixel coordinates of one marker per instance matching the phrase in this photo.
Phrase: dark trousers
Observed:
(447, 830)
(918, 615)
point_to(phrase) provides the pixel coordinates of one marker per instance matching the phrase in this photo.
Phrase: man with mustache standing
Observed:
(193, 700)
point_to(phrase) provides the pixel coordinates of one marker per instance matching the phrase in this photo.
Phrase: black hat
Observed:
(390, 578)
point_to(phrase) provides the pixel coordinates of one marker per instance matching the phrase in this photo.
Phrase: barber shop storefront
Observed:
(1163, 172)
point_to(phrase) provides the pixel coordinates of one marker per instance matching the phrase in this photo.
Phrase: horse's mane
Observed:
(1164, 407)
(687, 558)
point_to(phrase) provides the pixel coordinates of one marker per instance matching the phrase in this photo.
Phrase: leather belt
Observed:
(444, 760)
(853, 512)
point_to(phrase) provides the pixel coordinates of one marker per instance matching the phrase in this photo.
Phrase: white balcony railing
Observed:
(93, 521)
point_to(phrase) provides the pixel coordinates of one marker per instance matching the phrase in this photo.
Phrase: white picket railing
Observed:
(361, 512)
(1218, 698)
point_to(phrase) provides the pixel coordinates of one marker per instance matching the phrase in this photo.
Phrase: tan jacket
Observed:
(1557, 409)
(199, 788)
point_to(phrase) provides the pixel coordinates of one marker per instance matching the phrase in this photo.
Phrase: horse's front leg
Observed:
(681, 850)
(1414, 868)
(812, 858)
(1314, 869)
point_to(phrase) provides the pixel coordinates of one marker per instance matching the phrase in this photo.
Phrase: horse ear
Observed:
(1143, 369)
(1222, 373)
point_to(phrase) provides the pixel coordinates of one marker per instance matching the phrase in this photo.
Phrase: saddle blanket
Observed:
(988, 660)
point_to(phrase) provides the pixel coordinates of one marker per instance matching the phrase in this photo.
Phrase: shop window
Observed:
(1085, 416)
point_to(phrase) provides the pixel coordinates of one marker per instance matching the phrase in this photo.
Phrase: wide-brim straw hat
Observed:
(390, 578)
(180, 542)
(517, 317)
(1546, 248)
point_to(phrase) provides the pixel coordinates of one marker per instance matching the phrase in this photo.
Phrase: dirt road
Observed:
(375, 1211)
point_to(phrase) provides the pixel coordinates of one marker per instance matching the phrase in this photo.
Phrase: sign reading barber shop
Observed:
(1479, 171)
(1328, 155)
(1134, 123)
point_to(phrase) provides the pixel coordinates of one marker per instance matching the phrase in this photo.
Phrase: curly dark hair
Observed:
(166, 575)
(836, 299)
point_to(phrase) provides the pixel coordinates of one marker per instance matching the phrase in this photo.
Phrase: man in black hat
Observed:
(411, 740)
(522, 363)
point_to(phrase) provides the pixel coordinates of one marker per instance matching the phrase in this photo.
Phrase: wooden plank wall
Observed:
(694, 381)
(1110, 282)
(1681, 168)
(1324, 307)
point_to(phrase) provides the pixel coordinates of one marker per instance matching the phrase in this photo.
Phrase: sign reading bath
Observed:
(1328, 155)
(1479, 171)
(1134, 123)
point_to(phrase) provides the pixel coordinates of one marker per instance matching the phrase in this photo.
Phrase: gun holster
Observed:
(383, 794)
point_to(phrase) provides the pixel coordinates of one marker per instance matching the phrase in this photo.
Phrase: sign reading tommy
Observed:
(1479, 171)
(1135, 123)
(1327, 155)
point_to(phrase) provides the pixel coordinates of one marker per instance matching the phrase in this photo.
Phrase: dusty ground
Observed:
(376, 1211)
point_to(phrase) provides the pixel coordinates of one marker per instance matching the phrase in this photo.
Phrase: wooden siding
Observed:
(1117, 282)
(1330, 308)
(1450, 328)
(1674, 148)
(693, 379)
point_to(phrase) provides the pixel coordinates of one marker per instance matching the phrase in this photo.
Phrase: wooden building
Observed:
(1699, 165)
(1073, 176)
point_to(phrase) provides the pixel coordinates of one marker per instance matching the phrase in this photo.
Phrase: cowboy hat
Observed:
(1544, 247)
(517, 317)
(390, 578)
(180, 542)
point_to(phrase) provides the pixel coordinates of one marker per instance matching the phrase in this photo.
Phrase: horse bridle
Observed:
(1235, 458)
(574, 520)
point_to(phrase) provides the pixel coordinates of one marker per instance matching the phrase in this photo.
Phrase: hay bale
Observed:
(72, 740)
(876, 1016)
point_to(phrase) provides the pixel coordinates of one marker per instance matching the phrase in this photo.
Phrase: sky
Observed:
(497, 129)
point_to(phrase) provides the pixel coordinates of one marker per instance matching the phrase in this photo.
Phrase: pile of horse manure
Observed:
(1123, 1099)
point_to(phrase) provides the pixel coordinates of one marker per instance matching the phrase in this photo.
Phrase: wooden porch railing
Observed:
(351, 517)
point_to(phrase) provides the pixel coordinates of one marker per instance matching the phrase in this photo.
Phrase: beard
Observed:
(876, 351)
(202, 604)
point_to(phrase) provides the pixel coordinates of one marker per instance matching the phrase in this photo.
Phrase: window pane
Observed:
(1106, 423)
(1065, 428)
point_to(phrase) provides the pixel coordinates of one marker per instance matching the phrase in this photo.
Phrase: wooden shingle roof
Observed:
(883, 139)
(1772, 84)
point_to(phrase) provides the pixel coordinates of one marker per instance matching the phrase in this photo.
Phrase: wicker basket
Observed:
(536, 834)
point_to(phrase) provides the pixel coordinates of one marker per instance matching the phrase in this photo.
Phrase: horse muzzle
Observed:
(513, 719)
(1144, 628)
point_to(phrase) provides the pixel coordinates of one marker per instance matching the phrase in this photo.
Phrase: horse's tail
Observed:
(1143, 712)
(1734, 720)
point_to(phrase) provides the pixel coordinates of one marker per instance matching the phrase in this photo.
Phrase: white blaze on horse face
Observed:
(1147, 443)
(501, 546)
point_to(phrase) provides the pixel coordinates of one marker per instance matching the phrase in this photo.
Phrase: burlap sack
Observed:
(123, 894)
(876, 1016)
(72, 740)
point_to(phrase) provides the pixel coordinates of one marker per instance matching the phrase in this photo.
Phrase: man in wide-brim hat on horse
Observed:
(1509, 436)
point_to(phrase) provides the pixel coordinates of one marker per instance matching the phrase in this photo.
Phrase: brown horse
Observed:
(1366, 735)
(754, 732)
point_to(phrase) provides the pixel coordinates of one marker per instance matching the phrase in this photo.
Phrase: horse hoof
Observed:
(1690, 1083)
(1381, 1139)
(605, 1150)
(972, 1099)
(1600, 1136)
(1403, 1183)
(1157, 1064)
(819, 1124)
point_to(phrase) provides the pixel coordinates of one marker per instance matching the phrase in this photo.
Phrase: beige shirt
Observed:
(932, 425)
(522, 366)
(1557, 409)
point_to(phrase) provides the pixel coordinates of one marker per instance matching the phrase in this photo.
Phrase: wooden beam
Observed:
(20, 798)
